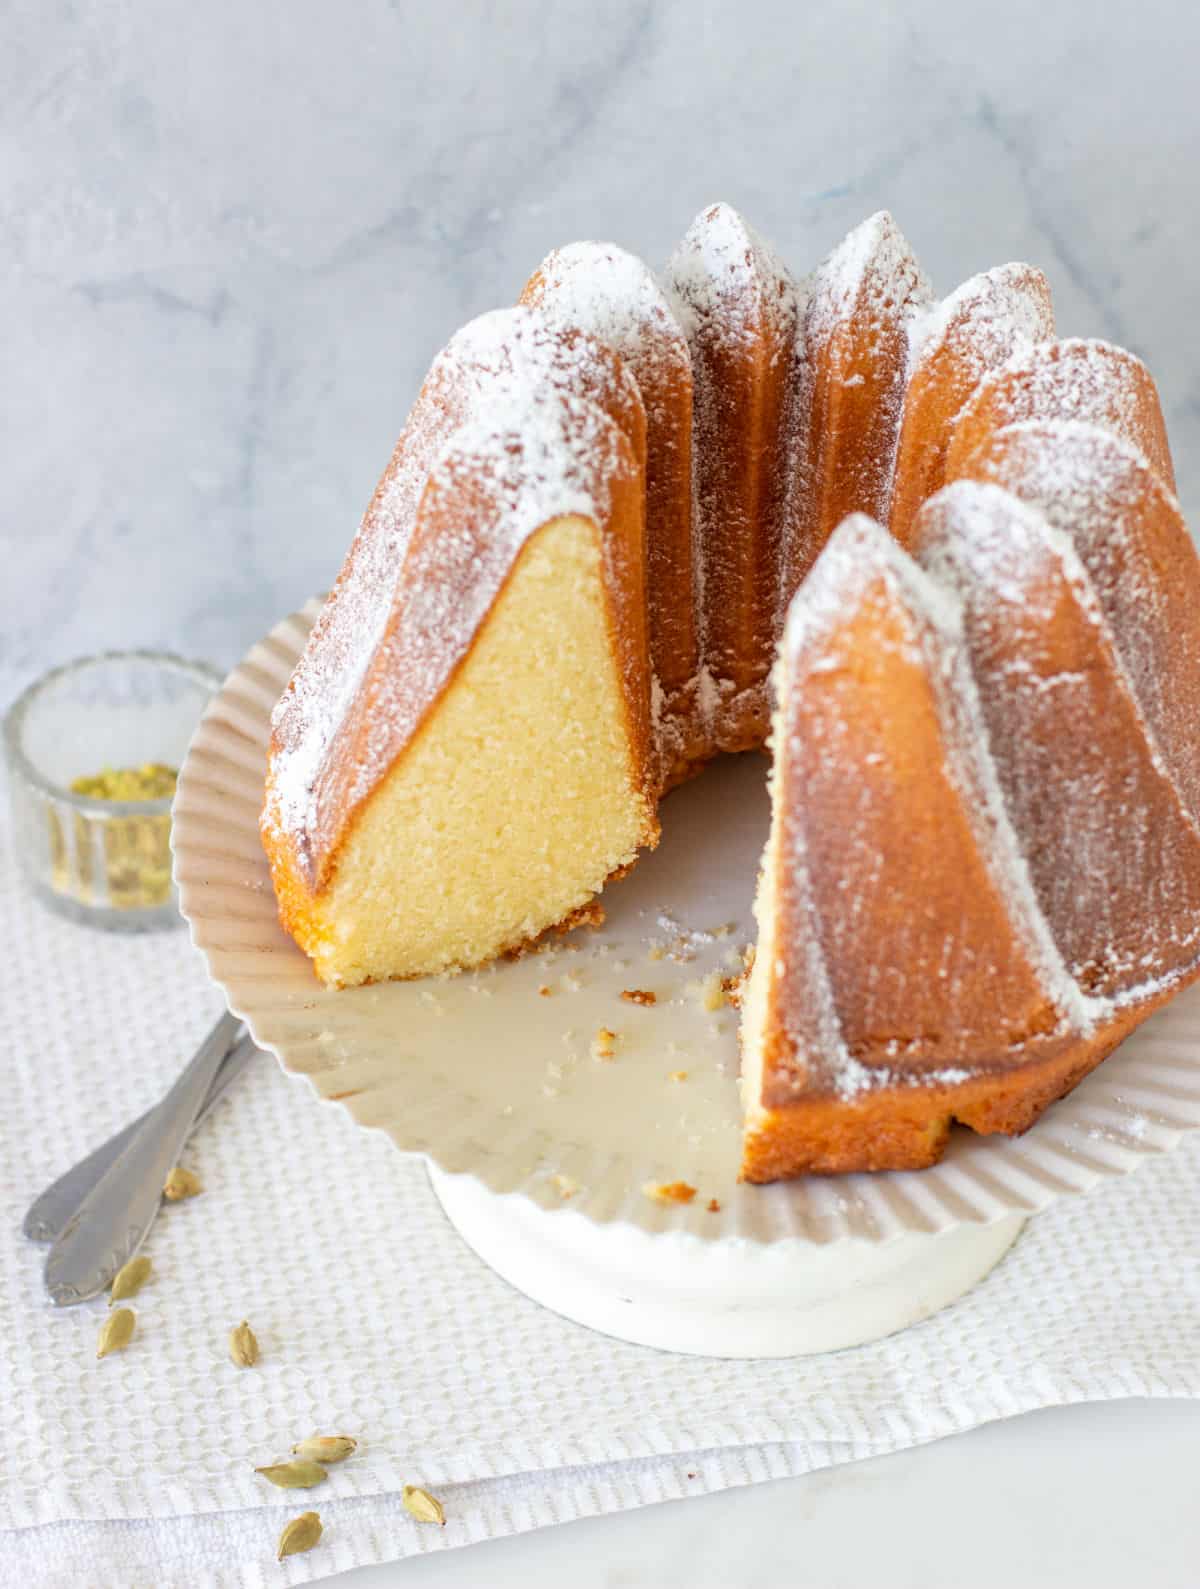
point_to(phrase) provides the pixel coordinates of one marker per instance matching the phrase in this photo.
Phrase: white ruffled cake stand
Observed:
(546, 1155)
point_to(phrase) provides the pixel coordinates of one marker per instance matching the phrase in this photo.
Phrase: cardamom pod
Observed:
(243, 1346)
(301, 1534)
(181, 1183)
(294, 1475)
(130, 1278)
(424, 1507)
(326, 1448)
(116, 1332)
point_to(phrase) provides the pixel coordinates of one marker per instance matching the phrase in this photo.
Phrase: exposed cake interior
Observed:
(491, 830)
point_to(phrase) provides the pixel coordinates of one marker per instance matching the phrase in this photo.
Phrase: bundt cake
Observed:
(635, 522)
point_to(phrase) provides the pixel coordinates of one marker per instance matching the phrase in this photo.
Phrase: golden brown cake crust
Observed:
(982, 325)
(863, 302)
(907, 1127)
(1069, 743)
(740, 309)
(892, 863)
(1075, 379)
(1126, 526)
(913, 966)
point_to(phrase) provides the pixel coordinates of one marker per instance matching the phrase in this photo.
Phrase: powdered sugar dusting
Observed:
(972, 767)
(859, 557)
(724, 277)
(507, 363)
(863, 300)
(1114, 856)
(1078, 379)
(742, 313)
(1130, 535)
(521, 465)
(872, 271)
(991, 317)
(858, 552)
(614, 296)
(937, 612)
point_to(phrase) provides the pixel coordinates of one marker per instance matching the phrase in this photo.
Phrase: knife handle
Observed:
(114, 1218)
(50, 1211)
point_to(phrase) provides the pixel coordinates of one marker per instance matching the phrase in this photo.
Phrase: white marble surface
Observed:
(1099, 1497)
(233, 235)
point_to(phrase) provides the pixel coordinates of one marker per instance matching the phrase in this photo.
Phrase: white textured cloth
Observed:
(375, 1321)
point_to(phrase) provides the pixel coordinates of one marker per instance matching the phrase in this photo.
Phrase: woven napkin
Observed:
(374, 1320)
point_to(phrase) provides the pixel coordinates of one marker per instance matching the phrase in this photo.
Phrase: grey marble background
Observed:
(233, 233)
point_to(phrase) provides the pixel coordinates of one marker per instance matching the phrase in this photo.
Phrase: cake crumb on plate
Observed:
(669, 1191)
(604, 1044)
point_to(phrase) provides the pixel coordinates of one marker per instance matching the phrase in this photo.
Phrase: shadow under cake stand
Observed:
(545, 1155)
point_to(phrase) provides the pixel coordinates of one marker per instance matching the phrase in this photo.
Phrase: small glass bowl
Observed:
(103, 862)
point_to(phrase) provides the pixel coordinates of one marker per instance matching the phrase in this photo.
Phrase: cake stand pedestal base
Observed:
(729, 1298)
